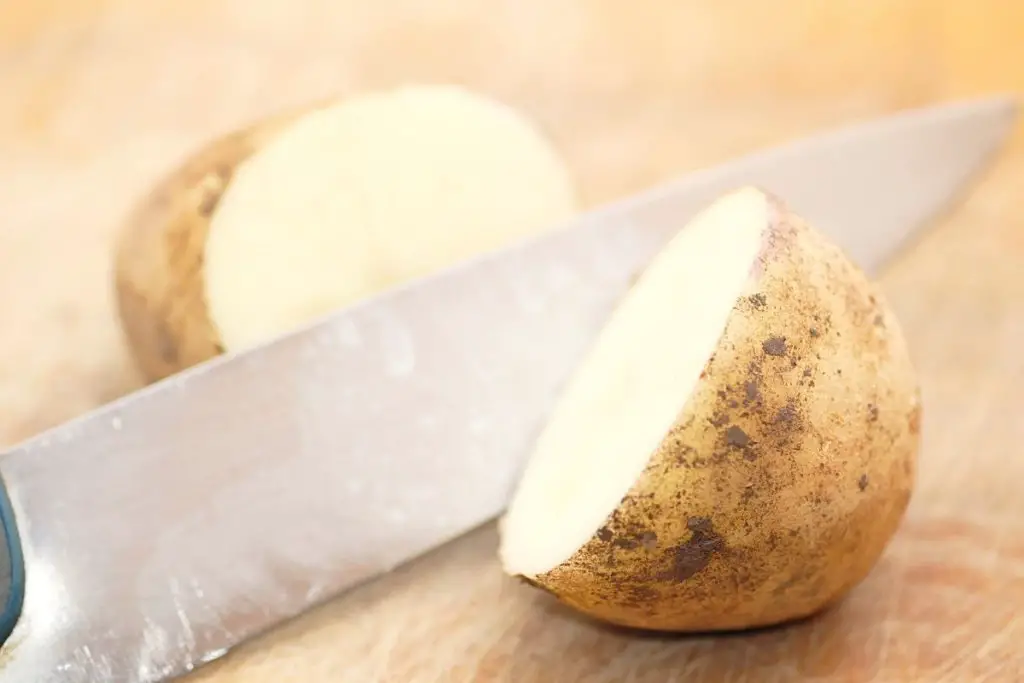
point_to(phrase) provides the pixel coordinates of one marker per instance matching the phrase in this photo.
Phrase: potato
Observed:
(269, 228)
(159, 284)
(739, 445)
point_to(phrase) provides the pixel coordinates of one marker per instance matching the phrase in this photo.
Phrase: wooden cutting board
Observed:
(99, 96)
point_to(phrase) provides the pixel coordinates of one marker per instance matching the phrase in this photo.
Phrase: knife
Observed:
(155, 533)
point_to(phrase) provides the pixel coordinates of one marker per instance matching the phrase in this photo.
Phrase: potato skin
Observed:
(789, 470)
(158, 275)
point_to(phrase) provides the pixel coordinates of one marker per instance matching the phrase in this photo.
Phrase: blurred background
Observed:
(100, 96)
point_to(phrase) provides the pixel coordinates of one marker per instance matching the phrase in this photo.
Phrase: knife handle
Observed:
(12, 568)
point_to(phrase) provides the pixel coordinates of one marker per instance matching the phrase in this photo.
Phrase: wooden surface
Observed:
(98, 96)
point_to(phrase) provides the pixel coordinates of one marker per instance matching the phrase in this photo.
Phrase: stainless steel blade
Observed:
(167, 527)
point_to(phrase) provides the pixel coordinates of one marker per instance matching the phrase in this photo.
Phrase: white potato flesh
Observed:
(369, 193)
(632, 386)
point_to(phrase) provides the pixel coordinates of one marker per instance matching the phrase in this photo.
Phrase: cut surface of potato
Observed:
(738, 446)
(633, 386)
(360, 196)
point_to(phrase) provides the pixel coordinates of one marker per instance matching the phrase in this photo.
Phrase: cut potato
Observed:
(739, 445)
(272, 227)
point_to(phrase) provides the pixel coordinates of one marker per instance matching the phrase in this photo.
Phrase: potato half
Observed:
(738, 447)
(271, 227)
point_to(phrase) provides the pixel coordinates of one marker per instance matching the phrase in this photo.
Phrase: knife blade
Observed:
(155, 533)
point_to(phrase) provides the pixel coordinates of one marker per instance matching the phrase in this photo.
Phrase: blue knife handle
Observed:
(12, 568)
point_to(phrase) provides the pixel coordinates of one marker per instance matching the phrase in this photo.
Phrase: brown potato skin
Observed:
(789, 470)
(158, 274)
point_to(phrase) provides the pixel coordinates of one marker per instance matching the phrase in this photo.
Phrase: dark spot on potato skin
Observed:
(639, 595)
(628, 533)
(207, 204)
(774, 346)
(862, 483)
(814, 332)
(694, 555)
(625, 543)
(737, 437)
(787, 413)
(719, 419)
(758, 301)
(684, 455)
(748, 493)
(872, 412)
